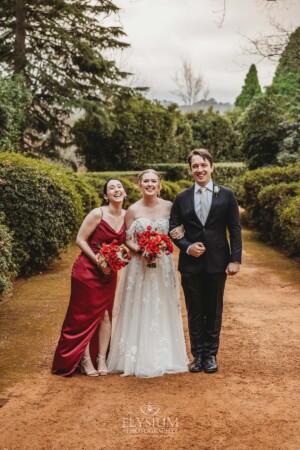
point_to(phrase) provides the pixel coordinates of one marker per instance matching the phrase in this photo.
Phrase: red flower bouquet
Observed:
(152, 245)
(113, 256)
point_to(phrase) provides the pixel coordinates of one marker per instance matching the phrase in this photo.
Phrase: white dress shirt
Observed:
(197, 202)
(209, 193)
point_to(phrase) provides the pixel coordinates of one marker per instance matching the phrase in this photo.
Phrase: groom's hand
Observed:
(197, 249)
(232, 268)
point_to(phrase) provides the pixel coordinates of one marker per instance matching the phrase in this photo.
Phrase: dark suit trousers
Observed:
(204, 303)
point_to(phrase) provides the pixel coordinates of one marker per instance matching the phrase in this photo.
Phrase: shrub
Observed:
(227, 174)
(7, 267)
(98, 179)
(89, 197)
(185, 184)
(42, 209)
(273, 199)
(254, 181)
(170, 190)
(290, 225)
(171, 172)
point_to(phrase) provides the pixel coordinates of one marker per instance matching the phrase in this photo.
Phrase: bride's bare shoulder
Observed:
(134, 207)
(166, 204)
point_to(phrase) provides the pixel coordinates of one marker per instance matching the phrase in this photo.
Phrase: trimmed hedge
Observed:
(254, 181)
(226, 174)
(42, 208)
(97, 180)
(169, 190)
(272, 200)
(7, 267)
(289, 221)
(89, 197)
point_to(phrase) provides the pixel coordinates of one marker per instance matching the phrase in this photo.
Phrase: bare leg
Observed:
(104, 338)
(88, 365)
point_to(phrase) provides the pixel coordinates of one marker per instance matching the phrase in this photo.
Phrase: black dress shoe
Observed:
(196, 365)
(210, 365)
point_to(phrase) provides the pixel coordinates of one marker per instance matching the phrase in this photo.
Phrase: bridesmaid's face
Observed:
(115, 191)
(150, 184)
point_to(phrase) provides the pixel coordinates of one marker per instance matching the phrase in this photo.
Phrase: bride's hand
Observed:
(177, 233)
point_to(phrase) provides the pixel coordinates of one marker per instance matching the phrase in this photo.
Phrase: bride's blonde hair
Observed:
(140, 177)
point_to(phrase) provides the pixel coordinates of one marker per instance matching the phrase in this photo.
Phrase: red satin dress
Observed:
(91, 295)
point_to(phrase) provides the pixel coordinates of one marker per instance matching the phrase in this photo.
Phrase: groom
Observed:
(207, 211)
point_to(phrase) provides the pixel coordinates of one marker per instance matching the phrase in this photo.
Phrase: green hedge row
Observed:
(43, 205)
(226, 174)
(254, 181)
(97, 180)
(7, 266)
(272, 199)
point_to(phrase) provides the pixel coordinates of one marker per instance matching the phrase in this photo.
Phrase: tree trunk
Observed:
(20, 47)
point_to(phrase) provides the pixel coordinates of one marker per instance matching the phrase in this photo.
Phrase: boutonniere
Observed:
(216, 190)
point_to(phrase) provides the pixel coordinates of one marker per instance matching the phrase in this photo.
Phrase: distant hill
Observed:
(204, 105)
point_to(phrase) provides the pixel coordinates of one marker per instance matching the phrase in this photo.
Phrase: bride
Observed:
(148, 338)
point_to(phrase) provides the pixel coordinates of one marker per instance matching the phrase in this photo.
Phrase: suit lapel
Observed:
(191, 203)
(213, 204)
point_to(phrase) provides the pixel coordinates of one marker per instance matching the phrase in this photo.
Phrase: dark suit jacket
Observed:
(223, 216)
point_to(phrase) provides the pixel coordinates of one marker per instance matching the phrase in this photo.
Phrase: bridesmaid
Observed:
(87, 327)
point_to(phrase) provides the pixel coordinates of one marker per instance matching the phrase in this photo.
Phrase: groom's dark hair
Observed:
(200, 152)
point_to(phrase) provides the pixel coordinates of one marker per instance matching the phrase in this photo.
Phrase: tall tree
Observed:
(133, 132)
(260, 131)
(60, 47)
(14, 101)
(189, 84)
(214, 131)
(286, 81)
(250, 89)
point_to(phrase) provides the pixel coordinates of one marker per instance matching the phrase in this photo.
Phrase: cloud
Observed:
(164, 32)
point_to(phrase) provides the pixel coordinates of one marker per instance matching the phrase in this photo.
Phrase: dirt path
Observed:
(252, 403)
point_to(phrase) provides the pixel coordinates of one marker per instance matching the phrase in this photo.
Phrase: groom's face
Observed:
(201, 170)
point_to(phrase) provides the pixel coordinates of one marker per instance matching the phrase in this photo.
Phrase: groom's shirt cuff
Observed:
(188, 249)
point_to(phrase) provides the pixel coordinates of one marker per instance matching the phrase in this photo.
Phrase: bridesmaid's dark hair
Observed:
(105, 201)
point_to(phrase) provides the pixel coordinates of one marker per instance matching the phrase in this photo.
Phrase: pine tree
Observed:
(250, 89)
(60, 47)
(286, 81)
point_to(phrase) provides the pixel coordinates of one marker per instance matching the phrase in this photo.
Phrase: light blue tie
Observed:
(204, 205)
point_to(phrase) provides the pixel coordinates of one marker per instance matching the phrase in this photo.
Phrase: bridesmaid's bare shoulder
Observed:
(97, 213)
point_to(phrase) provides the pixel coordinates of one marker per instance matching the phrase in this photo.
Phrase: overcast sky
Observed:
(164, 32)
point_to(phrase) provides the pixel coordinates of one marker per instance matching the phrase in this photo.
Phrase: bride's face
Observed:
(150, 184)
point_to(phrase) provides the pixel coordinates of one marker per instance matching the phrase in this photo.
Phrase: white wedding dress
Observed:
(147, 338)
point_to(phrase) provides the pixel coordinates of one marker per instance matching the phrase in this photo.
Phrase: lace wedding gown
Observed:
(147, 338)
